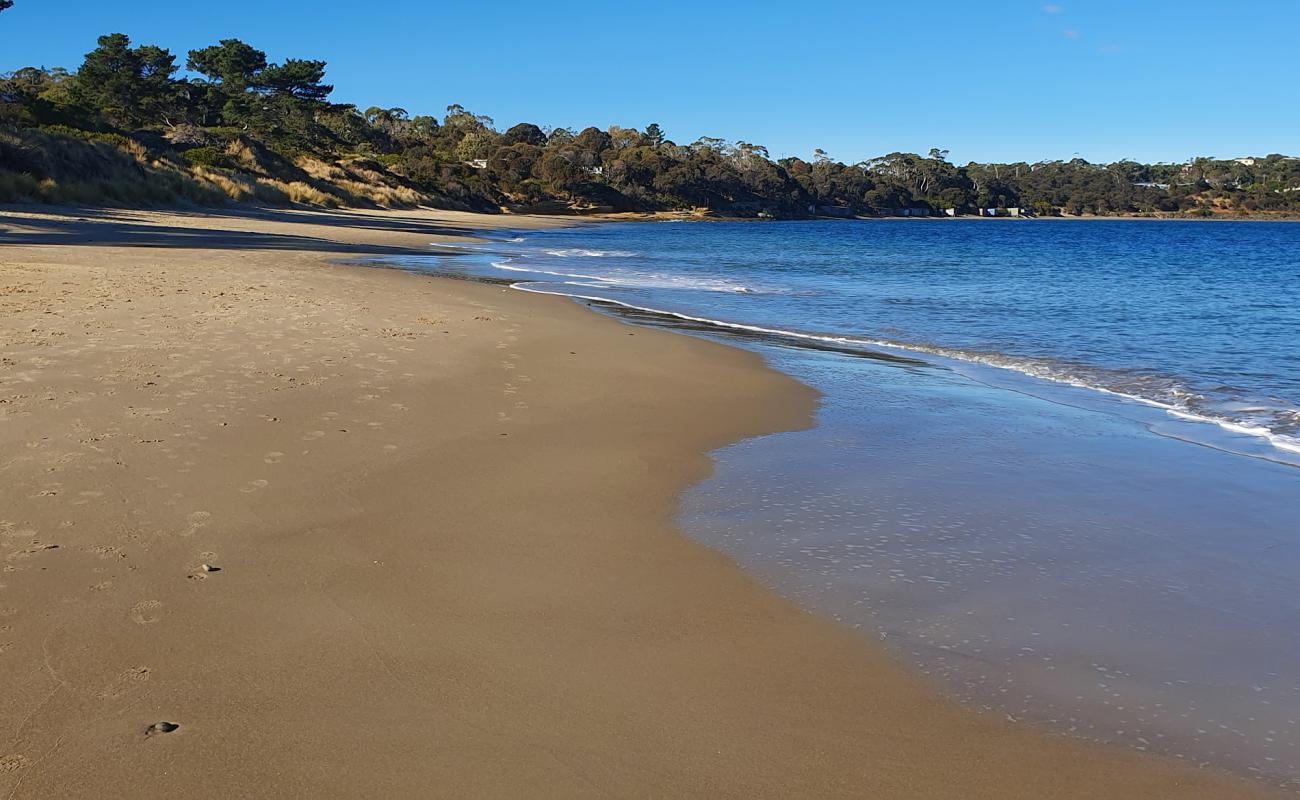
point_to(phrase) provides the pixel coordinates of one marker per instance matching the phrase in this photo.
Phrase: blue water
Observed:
(1203, 318)
(1055, 463)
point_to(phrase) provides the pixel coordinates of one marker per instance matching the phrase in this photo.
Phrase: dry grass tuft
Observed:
(64, 166)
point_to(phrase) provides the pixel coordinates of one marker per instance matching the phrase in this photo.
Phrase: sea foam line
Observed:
(578, 251)
(1279, 441)
(503, 265)
(642, 281)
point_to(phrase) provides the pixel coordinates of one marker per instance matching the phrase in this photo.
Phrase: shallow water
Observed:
(1107, 563)
(1054, 563)
(1203, 318)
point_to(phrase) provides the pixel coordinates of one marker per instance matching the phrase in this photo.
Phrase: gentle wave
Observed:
(1290, 444)
(641, 280)
(537, 271)
(582, 253)
(670, 282)
(668, 278)
(1034, 369)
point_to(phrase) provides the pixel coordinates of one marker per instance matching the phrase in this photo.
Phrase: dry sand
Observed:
(442, 514)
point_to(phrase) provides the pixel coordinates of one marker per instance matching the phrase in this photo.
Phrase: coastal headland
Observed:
(273, 525)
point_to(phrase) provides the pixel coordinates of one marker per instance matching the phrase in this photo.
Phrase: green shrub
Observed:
(207, 156)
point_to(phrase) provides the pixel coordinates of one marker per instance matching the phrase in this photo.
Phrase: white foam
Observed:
(640, 280)
(653, 281)
(536, 271)
(580, 252)
(1279, 441)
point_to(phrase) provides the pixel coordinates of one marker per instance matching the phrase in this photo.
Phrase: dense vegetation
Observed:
(126, 129)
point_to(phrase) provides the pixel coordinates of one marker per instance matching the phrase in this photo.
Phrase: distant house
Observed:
(914, 212)
(950, 212)
(477, 163)
(1149, 185)
(594, 170)
(1249, 162)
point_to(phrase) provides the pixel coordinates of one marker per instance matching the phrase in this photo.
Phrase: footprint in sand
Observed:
(29, 552)
(202, 571)
(196, 520)
(146, 612)
(253, 486)
(125, 679)
(307, 437)
(106, 551)
(273, 457)
(13, 763)
(87, 497)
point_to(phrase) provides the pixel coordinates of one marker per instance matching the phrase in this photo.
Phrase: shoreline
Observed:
(499, 604)
(1227, 435)
(692, 216)
(756, 507)
(683, 216)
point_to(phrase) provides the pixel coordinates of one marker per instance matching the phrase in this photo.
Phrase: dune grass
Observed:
(64, 166)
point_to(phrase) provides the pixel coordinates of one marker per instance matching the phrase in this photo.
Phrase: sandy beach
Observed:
(363, 533)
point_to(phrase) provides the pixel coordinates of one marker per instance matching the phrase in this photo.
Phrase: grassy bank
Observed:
(80, 167)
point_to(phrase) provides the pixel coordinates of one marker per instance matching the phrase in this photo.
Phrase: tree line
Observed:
(238, 113)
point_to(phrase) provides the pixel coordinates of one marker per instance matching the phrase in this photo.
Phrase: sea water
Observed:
(1056, 466)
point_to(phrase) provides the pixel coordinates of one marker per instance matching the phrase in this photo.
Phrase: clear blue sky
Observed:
(1160, 80)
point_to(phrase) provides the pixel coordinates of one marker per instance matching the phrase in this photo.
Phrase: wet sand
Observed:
(441, 520)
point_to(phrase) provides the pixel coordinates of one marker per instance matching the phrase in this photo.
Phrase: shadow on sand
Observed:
(44, 225)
